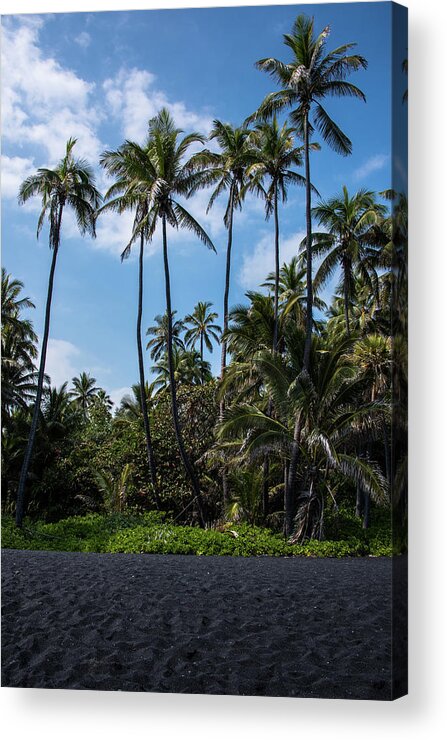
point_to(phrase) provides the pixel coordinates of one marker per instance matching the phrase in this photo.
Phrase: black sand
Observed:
(212, 625)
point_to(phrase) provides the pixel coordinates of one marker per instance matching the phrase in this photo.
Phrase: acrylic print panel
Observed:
(204, 404)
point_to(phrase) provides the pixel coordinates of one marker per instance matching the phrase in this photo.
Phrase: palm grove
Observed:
(303, 418)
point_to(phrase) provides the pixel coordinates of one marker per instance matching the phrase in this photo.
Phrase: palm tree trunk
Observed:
(275, 326)
(359, 502)
(185, 459)
(309, 300)
(143, 399)
(201, 355)
(266, 466)
(265, 487)
(346, 304)
(289, 490)
(20, 507)
(223, 359)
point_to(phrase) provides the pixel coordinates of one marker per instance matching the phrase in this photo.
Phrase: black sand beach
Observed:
(213, 625)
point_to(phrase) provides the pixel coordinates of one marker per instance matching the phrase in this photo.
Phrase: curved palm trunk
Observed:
(201, 355)
(346, 302)
(143, 399)
(289, 489)
(275, 327)
(289, 493)
(185, 459)
(223, 359)
(309, 286)
(265, 487)
(266, 464)
(20, 506)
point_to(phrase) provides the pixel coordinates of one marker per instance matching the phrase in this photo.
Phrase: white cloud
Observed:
(373, 164)
(62, 361)
(118, 393)
(14, 171)
(257, 264)
(212, 221)
(133, 99)
(83, 40)
(44, 103)
(113, 230)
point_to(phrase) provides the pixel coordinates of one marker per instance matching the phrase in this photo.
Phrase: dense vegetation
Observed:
(299, 447)
(153, 533)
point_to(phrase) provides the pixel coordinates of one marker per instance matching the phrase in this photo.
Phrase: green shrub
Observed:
(153, 532)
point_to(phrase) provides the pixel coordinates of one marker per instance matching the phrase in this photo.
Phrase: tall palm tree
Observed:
(132, 191)
(227, 171)
(71, 184)
(173, 176)
(275, 154)
(83, 392)
(349, 221)
(202, 327)
(159, 343)
(309, 77)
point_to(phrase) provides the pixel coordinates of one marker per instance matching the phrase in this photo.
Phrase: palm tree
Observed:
(332, 419)
(19, 349)
(159, 332)
(347, 243)
(308, 78)
(188, 366)
(173, 175)
(114, 489)
(202, 327)
(132, 191)
(18, 370)
(292, 292)
(103, 400)
(373, 358)
(70, 184)
(130, 407)
(228, 169)
(275, 155)
(83, 393)
(12, 303)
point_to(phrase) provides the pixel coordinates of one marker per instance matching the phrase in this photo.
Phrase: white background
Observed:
(40, 714)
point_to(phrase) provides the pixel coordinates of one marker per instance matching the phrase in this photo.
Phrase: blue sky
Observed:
(99, 77)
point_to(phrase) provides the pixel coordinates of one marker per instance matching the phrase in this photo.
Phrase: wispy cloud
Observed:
(373, 164)
(43, 102)
(62, 361)
(260, 262)
(14, 171)
(118, 393)
(132, 97)
(83, 40)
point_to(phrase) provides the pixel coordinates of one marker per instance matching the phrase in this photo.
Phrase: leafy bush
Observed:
(153, 532)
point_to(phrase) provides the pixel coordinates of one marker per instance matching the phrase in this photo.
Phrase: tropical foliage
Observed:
(302, 437)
